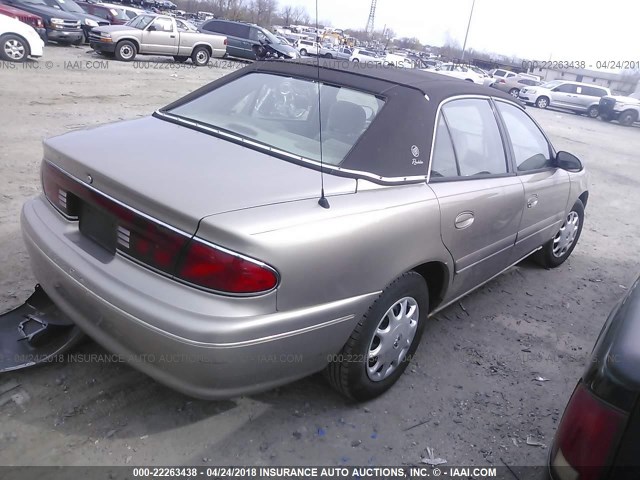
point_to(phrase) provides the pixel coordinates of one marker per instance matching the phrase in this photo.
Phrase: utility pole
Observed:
(464, 47)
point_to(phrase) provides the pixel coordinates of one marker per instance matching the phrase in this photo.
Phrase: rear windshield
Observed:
(282, 112)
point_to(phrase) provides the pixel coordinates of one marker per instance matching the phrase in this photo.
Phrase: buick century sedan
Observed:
(291, 218)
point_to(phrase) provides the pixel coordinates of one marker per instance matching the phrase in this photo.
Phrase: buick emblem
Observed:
(415, 151)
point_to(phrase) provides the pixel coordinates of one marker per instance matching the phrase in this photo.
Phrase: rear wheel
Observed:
(628, 118)
(13, 48)
(356, 60)
(125, 51)
(542, 102)
(558, 249)
(383, 342)
(593, 112)
(303, 52)
(328, 55)
(200, 56)
(514, 92)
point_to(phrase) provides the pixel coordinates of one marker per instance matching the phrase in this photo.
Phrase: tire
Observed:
(328, 55)
(351, 372)
(593, 112)
(200, 56)
(546, 256)
(542, 102)
(356, 60)
(514, 92)
(125, 51)
(303, 53)
(180, 58)
(627, 118)
(14, 48)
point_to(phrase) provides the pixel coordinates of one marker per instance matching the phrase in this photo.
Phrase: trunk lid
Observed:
(179, 175)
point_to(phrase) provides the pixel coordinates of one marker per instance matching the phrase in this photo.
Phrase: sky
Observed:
(566, 30)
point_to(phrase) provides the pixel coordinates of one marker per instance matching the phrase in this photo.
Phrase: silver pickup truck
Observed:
(151, 34)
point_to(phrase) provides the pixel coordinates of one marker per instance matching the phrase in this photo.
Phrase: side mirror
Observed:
(568, 161)
(152, 28)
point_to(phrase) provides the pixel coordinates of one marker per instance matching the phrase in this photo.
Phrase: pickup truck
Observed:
(153, 34)
(626, 110)
(341, 53)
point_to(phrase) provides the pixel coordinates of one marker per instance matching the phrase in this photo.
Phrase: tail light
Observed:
(225, 40)
(501, 81)
(159, 246)
(588, 434)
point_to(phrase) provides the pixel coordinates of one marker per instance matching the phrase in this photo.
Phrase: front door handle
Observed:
(172, 36)
(464, 220)
(532, 201)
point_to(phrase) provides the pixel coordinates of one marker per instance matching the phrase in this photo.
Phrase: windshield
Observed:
(140, 22)
(68, 6)
(36, 2)
(282, 112)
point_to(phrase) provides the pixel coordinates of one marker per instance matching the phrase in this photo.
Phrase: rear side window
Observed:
(593, 91)
(443, 163)
(476, 137)
(499, 73)
(238, 30)
(530, 148)
(216, 26)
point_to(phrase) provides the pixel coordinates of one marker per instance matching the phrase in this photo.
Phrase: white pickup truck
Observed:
(151, 34)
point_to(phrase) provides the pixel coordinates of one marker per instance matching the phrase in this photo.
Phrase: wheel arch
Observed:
(133, 40)
(584, 197)
(436, 275)
(205, 45)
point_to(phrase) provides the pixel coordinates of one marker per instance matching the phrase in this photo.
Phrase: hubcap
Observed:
(542, 103)
(392, 339)
(126, 51)
(566, 236)
(514, 93)
(14, 49)
(593, 113)
(201, 57)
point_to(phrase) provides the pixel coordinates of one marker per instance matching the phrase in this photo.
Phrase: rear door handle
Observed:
(172, 36)
(464, 220)
(532, 201)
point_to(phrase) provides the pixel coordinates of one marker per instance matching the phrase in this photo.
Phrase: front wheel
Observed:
(200, 56)
(125, 51)
(542, 102)
(383, 342)
(13, 48)
(628, 118)
(558, 249)
(514, 92)
(303, 53)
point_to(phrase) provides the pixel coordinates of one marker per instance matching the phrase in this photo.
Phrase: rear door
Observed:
(480, 198)
(160, 37)
(546, 188)
(564, 95)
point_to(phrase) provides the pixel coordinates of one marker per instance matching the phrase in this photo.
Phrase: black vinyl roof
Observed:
(385, 151)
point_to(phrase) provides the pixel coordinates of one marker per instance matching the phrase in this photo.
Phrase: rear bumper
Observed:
(204, 345)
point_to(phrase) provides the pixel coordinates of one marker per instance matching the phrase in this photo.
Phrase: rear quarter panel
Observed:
(357, 246)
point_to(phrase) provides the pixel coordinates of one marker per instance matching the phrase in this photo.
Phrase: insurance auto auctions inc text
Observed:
(355, 472)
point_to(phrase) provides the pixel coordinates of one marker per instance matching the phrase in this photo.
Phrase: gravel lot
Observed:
(471, 394)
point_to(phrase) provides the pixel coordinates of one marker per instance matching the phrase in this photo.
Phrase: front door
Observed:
(546, 187)
(160, 37)
(480, 199)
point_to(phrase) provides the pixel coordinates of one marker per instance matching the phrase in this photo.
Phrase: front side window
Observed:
(282, 112)
(140, 22)
(566, 88)
(530, 148)
(476, 137)
(161, 25)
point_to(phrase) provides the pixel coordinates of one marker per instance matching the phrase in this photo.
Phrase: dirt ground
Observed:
(470, 395)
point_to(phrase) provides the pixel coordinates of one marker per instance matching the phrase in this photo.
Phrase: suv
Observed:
(112, 14)
(625, 110)
(244, 39)
(575, 96)
(307, 47)
(61, 27)
(500, 73)
(87, 21)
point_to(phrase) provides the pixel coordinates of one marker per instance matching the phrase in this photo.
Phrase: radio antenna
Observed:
(323, 202)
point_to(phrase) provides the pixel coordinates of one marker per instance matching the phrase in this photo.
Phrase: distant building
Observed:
(616, 82)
